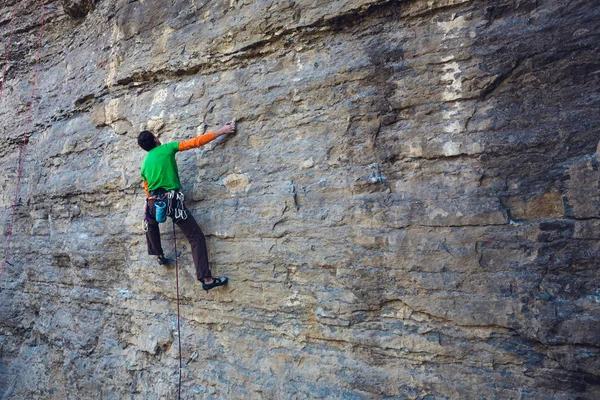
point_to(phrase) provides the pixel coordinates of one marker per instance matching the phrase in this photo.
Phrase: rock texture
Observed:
(409, 210)
(78, 8)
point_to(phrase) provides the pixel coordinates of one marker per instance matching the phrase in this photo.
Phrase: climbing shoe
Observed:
(162, 260)
(216, 282)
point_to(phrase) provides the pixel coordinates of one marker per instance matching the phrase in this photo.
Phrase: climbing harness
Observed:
(27, 134)
(166, 204)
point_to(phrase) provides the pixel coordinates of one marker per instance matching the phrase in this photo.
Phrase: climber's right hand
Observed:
(225, 129)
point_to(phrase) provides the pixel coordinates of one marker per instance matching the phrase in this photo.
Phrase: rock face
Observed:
(77, 8)
(410, 208)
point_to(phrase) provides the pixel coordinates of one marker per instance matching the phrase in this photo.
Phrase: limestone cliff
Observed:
(409, 210)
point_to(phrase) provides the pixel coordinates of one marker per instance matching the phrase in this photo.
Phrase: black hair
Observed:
(146, 140)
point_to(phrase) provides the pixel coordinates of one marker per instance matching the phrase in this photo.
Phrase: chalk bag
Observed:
(161, 211)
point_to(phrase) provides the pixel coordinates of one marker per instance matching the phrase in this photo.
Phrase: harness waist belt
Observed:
(158, 192)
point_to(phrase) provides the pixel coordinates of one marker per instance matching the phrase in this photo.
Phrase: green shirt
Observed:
(159, 168)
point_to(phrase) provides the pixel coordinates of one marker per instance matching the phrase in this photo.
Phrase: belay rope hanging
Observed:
(170, 204)
(178, 312)
(27, 125)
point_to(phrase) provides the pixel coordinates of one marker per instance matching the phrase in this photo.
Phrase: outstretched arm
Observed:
(206, 138)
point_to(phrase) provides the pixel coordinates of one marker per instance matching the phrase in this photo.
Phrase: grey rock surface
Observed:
(410, 208)
(78, 8)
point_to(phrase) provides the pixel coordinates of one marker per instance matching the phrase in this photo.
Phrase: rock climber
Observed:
(161, 183)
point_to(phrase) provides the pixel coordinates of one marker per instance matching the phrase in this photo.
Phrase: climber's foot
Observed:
(210, 283)
(162, 260)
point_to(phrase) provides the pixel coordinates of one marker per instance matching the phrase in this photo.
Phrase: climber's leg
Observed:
(153, 233)
(197, 241)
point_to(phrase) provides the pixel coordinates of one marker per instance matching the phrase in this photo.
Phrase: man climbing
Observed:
(161, 183)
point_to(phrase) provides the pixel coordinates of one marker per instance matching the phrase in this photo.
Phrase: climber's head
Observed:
(147, 140)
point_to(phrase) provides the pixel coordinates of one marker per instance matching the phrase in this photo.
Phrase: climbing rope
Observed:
(178, 313)
(25, 138)
(7, 54)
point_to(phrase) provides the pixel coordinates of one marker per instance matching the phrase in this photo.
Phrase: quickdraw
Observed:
(176, 205)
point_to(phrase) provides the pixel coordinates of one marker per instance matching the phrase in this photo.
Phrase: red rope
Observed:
(12, 29)
(25, 139)
(178, 313)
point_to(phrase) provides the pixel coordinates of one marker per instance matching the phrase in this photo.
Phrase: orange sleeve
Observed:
(196, 142)
(146, 188)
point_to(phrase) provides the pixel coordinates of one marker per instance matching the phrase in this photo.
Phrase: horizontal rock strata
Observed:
(409, 209)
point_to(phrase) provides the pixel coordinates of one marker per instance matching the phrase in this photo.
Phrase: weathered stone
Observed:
(236, 183)
(409, 208)
(98, 115)
(78, 8)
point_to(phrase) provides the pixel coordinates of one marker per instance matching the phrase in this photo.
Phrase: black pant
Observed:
(193, 234)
